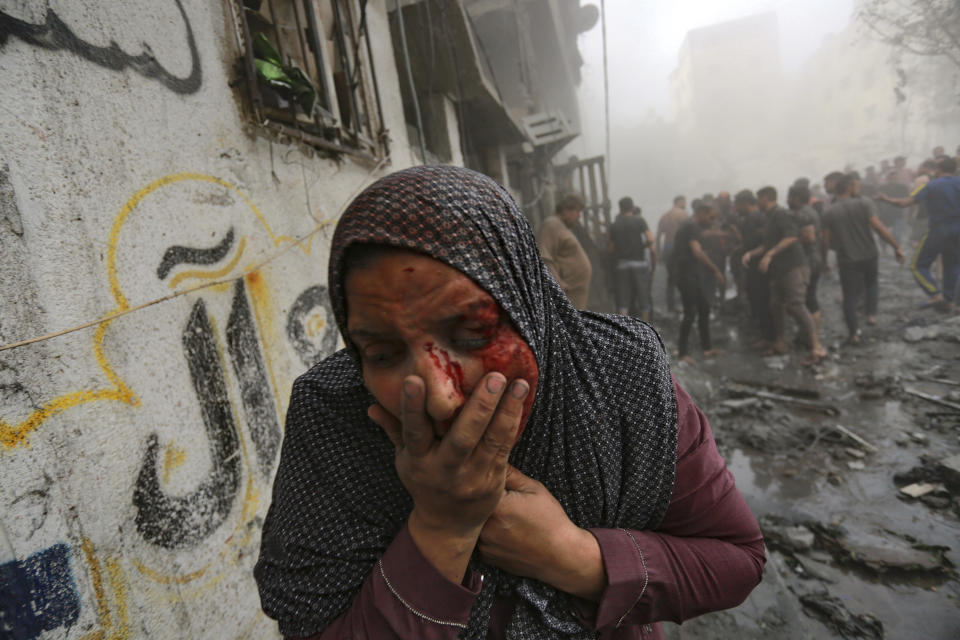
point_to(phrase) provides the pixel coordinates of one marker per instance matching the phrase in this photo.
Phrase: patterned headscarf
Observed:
(602, 434)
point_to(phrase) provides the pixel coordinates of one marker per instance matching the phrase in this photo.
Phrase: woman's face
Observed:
(408, 314)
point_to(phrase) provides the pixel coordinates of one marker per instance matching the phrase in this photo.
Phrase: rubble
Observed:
(894, 557)
(950, 471)
(888, 552)
(850, 434)
(918, 489)
(832, 612)
(934, 399)
(813, 452)
(946, 330)
(944, 471)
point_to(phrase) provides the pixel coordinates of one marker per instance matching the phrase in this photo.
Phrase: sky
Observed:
(644, 38)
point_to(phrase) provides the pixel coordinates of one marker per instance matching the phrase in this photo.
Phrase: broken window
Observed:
(310, 74)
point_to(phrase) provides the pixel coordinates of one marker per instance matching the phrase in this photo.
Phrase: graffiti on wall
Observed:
(54, 34)
(309, 326)
(195, 531)
(9, 213)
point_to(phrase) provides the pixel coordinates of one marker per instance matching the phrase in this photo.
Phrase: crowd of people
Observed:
(774, 255)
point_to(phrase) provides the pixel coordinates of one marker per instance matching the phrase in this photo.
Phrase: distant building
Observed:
(738, 121)
(853, 106)
(724, 71)
(725, 95)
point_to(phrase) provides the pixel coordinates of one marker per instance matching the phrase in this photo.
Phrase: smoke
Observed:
(723, 96)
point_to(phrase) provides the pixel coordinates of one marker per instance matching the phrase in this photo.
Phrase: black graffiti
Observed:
(175, 522)
(311, 351)
(9, 213)
(54, 34)
(177, 255)
(255, 393)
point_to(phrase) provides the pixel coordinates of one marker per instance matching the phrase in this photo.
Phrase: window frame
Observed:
(363, 133)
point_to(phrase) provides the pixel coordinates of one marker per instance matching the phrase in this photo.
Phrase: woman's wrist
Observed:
(579, 568)
(446, 549)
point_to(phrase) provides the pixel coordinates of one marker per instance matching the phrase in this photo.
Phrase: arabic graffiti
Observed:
(54, 34)
(175, 256)
(181, 521)
(243, 346)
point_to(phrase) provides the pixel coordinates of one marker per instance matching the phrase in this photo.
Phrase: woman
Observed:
(484, 461)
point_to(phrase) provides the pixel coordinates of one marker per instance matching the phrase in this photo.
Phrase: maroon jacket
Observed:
(706, 555)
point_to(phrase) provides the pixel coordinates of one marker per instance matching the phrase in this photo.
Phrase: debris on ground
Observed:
(919, 489)
(888, 552)
(885, 552)
(813, 451)
(853, 436)
(936, 483)
(946, 330)
(874, 386)
(934, 399)
(832, 612)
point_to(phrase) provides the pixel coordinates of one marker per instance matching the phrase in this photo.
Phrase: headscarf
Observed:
(602, 434)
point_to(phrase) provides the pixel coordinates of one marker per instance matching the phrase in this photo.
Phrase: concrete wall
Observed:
(137, 454)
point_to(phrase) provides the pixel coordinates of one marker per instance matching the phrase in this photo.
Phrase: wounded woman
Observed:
(483, 461)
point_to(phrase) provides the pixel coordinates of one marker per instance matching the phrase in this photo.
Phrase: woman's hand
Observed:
(456, 481)
(530, 535)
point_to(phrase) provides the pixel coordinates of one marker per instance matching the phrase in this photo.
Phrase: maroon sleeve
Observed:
(406, 598)
(706, 555)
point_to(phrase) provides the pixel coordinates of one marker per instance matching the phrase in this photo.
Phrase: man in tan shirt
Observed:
(562, 252)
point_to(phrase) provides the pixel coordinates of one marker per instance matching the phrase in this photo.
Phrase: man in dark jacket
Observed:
(631, 240)
(782, 258)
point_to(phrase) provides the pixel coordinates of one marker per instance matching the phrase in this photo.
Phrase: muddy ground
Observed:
(821, 455)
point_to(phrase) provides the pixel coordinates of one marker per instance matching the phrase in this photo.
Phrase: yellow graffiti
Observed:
(103, 610)
(315, 323)
(263, 311)
(210, 275)
(133, 202)
(13, 435)
(163, 578)
(173, 457)
(118, 587)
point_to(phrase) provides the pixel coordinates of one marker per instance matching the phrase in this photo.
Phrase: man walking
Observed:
(630, 237)
(811, 234)
(562, 252)
(752, 225)
(666, 232)
(688, 257)
(786, 265)
(941, 195)
(848, 227)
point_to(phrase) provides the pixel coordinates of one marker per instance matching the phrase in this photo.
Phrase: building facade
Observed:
(170, 176)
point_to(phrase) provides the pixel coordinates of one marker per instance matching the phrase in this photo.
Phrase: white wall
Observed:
(136, 455)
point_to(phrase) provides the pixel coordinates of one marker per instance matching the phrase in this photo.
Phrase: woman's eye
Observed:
(471, 343)
(473, 338)
(381, 357)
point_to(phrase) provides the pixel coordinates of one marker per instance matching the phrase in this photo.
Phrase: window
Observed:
(310, 75)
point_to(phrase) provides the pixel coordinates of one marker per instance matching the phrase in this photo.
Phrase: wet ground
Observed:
(821, 455)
